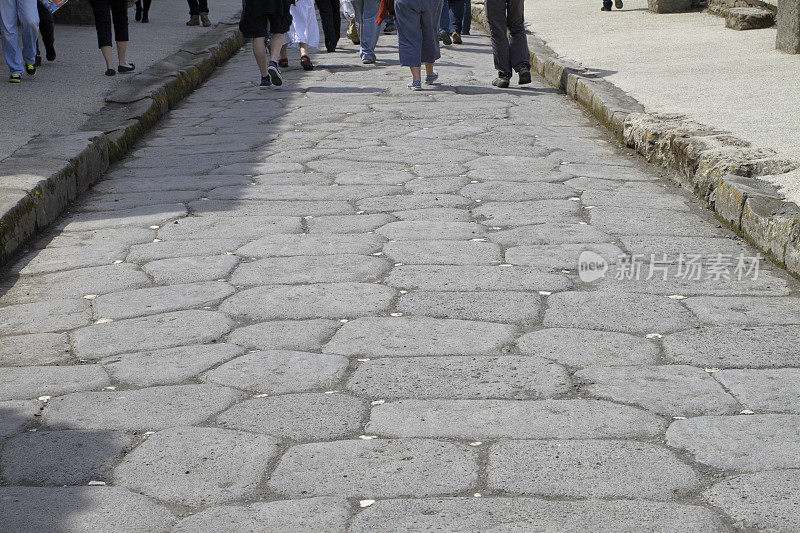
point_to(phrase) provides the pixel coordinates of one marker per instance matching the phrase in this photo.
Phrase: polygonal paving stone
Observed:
(76, 283)
(720, 311)
(443, 252)
(434, 214)
(16, 414)
(609, 172)
(414, 336)
(764, 346)
(131, 200)
(307, 416)
(302, 192)
(323, 300)
(654, 277)
(670, 390)
(56, 259)
(281, 208)
(138, 410)
(35, 349)
(776, 390)
(415, 230)
(624, 221)
(476, 278)
(673, 246)
(558, 256)
(150, 333)
(496, 191)
(496, 419)
(590, 469)
(550, 233)
(308, 514)
(615, 311)
(510, 168)
(62, 457)
(98, 237)
(514, 307)
(764, 501)
(368, 177)
(745, 443)
(375, 468)
(303, 335)
(42, 317)
(449, 184)
(310, 269)
(75, 509)
(459, 377)
(191, 269)
(402, 202)
(197, 466)
(311, 244)
(583, 348)
(153, 251)
(347, 223)
(280, 371)
(139, 216)
(237, 229)
(526, 213)
(26, 382)
(168, 366)
(153, 300)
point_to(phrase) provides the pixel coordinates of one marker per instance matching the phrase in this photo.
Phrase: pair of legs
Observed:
(143, 10)
(106, 14)
(452, 20)
(418, 42)
(260, 51)
(47, 29)
(331, 20)
(507, 17)
(198, 12)
(366, 15)
(28, 15)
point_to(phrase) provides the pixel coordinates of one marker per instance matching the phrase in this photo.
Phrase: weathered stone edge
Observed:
(130, 111)
(721, 169)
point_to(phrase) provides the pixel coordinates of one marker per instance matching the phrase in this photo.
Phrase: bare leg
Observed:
(303, 49)
(260, 53)
(284, 49)
(122, 53)
(275, 45)
(429, 69)
(416, 73)
(108, 56)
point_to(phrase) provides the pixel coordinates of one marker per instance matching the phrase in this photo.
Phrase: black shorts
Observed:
(253, 26)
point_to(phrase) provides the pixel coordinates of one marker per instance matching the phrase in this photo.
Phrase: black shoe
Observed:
(138, 16)
(306, 63)
(145, 19)
(204, 20)
(38, 61)
(456, 38)
(618, 4)
(265, 83)
(445, 38)
(122, 69)
(30, 70)
(274, 74)
(502, 80)
(389, 28)
(111, 72)
(524, 75)
(50, 51)
(605, 8)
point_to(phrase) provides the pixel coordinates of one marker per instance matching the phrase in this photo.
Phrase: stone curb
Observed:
(41, 178)
(721, 169)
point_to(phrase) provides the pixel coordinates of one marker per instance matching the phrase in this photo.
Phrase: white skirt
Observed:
(305, 28)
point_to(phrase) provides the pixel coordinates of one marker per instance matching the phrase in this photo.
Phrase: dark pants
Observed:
(46, 26)
(331, 20)
(508, 16)
(456, 12)
(196, 7)
(104, 12)
(466, 24)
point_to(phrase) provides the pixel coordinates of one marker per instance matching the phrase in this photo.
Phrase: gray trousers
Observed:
(508, 16)
(417, 23)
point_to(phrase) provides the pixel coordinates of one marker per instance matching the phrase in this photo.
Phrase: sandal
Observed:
(306, 63)
(283, 63)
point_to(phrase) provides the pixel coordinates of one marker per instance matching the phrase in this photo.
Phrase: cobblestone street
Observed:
(346, 306)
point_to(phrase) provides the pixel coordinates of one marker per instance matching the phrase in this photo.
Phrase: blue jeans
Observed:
(444, 20)
(456, 16)
(28, 15)
(368, 31)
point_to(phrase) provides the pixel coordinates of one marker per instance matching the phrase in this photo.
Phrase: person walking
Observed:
(19, 59)
(331, 19)
(108, 13)
(417, 24)
(607, 5)
(142, 13)
(303, 33)
(256, 16)
(198, 13)
(466, 22)
(508, 17)
(368, 30)
(455, 12)
(47, 29)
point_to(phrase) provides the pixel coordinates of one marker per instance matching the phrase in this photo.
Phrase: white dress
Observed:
(305, 28)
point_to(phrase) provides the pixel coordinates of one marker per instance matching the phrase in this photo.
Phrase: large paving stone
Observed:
(191, 269)
(347, 223)
(670, 390)
(281, 208)
(43, 317)
(322, 300)
(303, 192)
(310, 269)
(433, 185)
(625, 221)
(138, 216)
(150, 333)
(153, 300)
(764, 501)
(722, 311)
(76, 283)
(737, 346)
(550, 233)
(590, 469)
(97, 237)
(138, 410)
(57, 259)
(443, 252)
(312, 244)
(168, 366)
(476, 278)
(673, 246)
(153, 251)
(237, 229)
(496, 419)
(559, 256)
(77, 509)
(653, 277)
(303, 335)
(514, 307)
(416, 230)
(305, 416)
(496, 191)
(744, 443)
(168, 183)
(62, 457)
(35, 349)
(434, 214)
(403, 202)
(526, 213)
(776, 390)
(375, 468)
(520, 514)
(414, 336)
(27, 382)
(618, 170)
(584, 348)
(280, 371)
(368, 177)
(131, 200)
(197, 466)
(305, 515)
(615, 311)
(510, 168)
(16, 414)
(459, 377)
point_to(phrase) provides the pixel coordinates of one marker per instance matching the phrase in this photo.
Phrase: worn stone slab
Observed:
(369, 177)
(62, 457)
(651, 222)
(168, 366)
(496, 419)
(322, 300)
(495, 191)
(764, 501)
(608, 172)
(311, 269)
(443, 252)
(261, 208)
(307, 514)
(16, 414)
(586, 348)
(347, 223)
(301, 417)
(191, 269)
(744, 443)
(303, 192)
(735, 346)
(139, 217)
(526, 213)
(150, 333)
(27, 382)
(435, 214)
(280, 371)
(311, 244)
(73, 509)
(153, 300)
(433, 185)
(237, 229)
(43, 317)
(590, 469)
(197, 466)
(670, 390)
(415, 336)
(138, 410)
(673, 246)
(559, 256)
(521, 514)
(303, 335)
(35, 349)
(550, 233)
(513, 307)
(375, 468)
(90, 238)
(511, 168)
(76, 283)
(144, 253)
(167, 183)
(658, 278)
(617, 311)
(745, 310)
(775, 390)
(62, 258)
(414, 230)
(403, 202)
(476, 278)
(132, 200)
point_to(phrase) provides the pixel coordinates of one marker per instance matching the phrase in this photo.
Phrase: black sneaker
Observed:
(15, 78)
(30, 70)
(456, 38)
(50, 51)
(265, 83)
(445, 38)
(389, 28)
(502, 80)
(524, 75)
(605, 8)
(274, 74)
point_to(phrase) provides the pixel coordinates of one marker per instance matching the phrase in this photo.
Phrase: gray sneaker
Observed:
(194, 20)
(205, 20)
